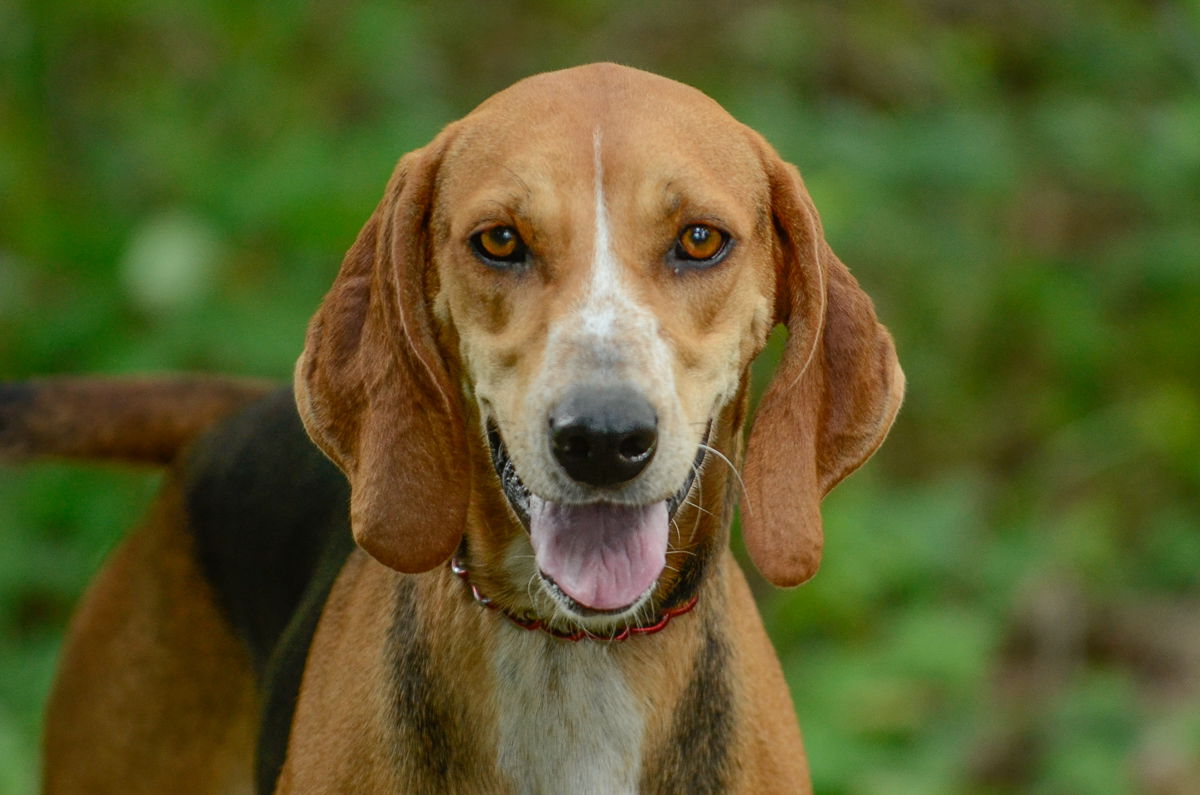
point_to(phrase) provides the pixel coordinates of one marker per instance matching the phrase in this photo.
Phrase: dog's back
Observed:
(217, 592)
(262, 504)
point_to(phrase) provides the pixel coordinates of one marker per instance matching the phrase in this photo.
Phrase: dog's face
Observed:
(608, 273)
(573, 280)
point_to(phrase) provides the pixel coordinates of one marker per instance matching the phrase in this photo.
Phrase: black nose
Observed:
(603, 435)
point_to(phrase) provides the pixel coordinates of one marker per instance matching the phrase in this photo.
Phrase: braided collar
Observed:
(460, 570)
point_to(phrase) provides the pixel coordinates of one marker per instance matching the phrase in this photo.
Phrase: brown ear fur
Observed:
(374, 392)
(832, 401)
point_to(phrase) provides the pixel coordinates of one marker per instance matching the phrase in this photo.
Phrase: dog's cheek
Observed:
(711, 360)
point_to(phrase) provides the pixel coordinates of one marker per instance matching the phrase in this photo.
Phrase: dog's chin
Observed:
(599, 563)
(590, 617)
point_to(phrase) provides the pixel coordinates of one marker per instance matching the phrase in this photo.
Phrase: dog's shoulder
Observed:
(264, 506)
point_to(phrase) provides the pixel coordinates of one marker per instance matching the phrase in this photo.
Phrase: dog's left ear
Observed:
(832, 400)
(374, 392)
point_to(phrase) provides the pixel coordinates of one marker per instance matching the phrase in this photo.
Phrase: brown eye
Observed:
(700, 243)
(499, 245)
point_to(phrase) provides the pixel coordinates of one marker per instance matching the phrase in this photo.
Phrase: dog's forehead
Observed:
(554, 127)
(597, 91)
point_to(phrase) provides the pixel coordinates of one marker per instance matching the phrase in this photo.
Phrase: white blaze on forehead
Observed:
(605, 296)
(608, 308)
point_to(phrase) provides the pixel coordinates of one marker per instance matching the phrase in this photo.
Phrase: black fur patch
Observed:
(425, 708)
(691, 575)
(270, 518)
(285, 669)
(695, 759)
(263, 503)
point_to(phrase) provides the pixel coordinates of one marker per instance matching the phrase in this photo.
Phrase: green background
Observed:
(1009, 600)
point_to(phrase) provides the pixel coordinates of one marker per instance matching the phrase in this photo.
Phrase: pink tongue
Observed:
(601, 555)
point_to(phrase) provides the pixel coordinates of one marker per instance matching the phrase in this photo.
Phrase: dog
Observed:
(482, 544)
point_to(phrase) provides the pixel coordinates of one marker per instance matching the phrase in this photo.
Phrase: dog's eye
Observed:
(499, 245)
(701, 243)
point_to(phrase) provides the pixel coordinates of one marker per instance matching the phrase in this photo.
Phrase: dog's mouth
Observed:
(595, 559)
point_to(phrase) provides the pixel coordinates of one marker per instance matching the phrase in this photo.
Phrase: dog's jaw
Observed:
(533, 566)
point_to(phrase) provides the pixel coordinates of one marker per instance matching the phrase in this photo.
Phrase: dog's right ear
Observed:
(373, 389)
(832, 400)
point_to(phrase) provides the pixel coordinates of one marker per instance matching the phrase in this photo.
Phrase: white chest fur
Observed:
(569, 724)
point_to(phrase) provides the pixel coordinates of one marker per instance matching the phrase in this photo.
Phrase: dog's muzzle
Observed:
(594, 558)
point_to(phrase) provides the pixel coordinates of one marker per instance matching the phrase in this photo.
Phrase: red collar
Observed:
(460, 569)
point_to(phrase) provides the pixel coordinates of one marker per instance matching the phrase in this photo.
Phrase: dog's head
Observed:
(568, 285)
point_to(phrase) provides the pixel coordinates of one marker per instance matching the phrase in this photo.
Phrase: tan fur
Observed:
(135, 420)
(344, 737)
(419, 345)
(154, 694)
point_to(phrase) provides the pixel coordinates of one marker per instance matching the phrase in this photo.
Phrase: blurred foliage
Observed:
(1009, 601)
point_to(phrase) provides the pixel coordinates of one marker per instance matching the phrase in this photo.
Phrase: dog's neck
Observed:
(586, 716)
(568, 719)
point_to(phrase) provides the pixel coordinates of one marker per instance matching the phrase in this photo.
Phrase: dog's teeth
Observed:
(514, 489)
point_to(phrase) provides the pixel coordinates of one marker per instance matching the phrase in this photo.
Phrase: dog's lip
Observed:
(517, 494)
(511, 484)
(583, 610)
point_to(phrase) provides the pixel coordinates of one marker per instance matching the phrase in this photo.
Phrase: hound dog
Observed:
(531, 374)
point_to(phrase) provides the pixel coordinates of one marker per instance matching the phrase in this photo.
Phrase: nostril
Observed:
(603, 436)
(573, 445)
(637, 445)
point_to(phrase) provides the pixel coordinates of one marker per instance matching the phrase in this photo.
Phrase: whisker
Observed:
(529, 590)
(672, 548)
(678, 547)
(733, 469)
(642, 613)
(698, 507)
(680, 551)
(700, 498)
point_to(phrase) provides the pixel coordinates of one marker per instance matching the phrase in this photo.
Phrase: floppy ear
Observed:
(832, 400)
(373, 390)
